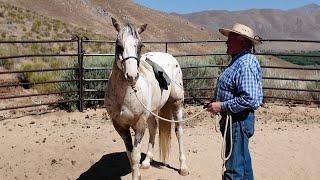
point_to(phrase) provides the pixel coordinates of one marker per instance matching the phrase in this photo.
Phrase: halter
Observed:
(134, 57)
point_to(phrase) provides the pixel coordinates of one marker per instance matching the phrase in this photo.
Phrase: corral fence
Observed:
(80, 70)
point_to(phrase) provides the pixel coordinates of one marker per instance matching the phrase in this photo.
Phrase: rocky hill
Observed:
(299, 23)
(94, 16)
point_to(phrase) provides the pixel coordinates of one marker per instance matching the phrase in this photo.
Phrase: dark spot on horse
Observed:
(176, 65)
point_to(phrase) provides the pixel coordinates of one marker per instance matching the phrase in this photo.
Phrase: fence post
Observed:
(166, 47)
(80, 73)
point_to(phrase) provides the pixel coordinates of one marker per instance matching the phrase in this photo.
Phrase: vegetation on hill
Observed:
(21, 24)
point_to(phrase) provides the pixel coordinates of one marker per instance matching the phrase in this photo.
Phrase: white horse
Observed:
(130, 69)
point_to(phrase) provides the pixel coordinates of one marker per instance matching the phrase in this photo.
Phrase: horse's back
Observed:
(165, 60)
(171, 66)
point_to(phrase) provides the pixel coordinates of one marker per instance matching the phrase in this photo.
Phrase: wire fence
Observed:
(81, 80)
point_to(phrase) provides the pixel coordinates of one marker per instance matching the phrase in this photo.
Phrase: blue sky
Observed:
(187, 6)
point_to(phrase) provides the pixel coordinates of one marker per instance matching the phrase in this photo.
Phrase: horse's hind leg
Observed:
(126, 137)
(152, 126)
(177, 114)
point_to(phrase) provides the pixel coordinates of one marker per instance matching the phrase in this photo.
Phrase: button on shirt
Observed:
(239, 87)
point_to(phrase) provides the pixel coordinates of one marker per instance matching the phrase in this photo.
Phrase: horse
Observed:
(132, 82)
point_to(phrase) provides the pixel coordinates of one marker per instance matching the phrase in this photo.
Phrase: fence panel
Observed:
(91, 80)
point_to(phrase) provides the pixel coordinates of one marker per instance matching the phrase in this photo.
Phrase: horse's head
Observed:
(128, 50)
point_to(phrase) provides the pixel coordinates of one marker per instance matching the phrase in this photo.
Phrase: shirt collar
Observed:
(239, 55)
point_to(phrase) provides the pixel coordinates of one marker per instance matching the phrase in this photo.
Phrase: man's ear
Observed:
(142, 28)
(115, 24)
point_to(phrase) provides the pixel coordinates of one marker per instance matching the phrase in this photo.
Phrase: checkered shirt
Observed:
(239, 87)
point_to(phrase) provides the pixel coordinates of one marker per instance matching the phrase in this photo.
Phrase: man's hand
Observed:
(214, 107)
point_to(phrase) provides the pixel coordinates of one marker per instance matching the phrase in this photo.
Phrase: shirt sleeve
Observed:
(247, 91)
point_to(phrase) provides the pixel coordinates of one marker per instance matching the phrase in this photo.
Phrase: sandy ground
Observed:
(62, 145)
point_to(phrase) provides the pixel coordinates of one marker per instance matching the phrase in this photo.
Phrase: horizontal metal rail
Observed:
(93, 90)
(274, 78)
(263, 67)
(290, 89)
(39, 94)
(93, 99)
(97, 68)
(208, 41)
(97, 41)
(40, 82)
(265, 97)
(291, 99)
(295, 55)
(264, 88)
(97, 54)
(224, 54)
(40, 104)
(39, 70)
(39, 41)
(290, 40)
(37, 55)
(292, 79)
(93, 80)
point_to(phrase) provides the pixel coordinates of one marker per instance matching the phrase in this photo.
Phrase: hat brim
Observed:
(226, 33)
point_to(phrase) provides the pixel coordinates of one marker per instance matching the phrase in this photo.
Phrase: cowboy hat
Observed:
(243, 31)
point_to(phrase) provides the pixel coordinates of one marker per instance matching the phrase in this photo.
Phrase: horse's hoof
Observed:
(145, 165)
(184, 172)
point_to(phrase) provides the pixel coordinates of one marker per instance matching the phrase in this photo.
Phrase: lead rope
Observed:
(224, 143)
(164, 119)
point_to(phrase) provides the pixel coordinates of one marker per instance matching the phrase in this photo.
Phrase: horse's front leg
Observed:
(152, 126)
(177, 114)
(139, 129)
(126, 137)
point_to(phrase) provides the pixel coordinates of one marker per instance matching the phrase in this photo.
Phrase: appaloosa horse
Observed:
(132, 71)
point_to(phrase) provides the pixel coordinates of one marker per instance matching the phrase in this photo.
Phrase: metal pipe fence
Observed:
(81, 80)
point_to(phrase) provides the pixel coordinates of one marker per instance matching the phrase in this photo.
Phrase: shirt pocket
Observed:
(226, 81)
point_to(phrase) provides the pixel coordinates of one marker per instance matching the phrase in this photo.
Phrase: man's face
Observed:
(235, 44)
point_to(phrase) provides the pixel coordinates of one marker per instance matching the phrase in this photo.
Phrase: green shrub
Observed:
(94, 85)
(7, 63)
(208, 72)
(34, 77)
(65, 86)
(100, 86)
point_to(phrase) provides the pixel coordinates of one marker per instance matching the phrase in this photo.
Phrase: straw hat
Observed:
(242, 30)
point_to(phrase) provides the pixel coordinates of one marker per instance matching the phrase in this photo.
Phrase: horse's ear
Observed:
(115, 24)
(142, 28)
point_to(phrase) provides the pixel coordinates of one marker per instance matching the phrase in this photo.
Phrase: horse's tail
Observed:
(165, 132)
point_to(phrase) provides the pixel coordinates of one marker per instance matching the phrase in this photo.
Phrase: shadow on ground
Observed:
(110, 167)
(115, 165)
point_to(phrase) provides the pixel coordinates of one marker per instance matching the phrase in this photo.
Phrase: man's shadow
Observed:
(113, 166)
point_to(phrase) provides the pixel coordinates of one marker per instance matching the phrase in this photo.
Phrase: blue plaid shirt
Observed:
(239, 87)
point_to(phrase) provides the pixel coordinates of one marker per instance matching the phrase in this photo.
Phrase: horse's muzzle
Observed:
(131, 79)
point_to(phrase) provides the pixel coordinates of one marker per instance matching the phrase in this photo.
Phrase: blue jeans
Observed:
(239, 165)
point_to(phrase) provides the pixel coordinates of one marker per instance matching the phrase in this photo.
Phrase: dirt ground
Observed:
(62, 145)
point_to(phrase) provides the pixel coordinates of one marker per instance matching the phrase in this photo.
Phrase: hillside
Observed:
(94, 17)
(299, 23)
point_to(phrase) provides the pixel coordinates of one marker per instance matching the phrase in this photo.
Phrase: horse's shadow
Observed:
(113, 166)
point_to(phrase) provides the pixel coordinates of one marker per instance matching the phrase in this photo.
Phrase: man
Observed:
(239, 93)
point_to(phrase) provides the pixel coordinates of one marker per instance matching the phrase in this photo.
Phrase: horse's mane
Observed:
(130, 29)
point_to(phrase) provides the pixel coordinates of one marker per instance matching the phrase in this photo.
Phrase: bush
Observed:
(208, 72)
(65, 86)
(34, 77)
(100, 86)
